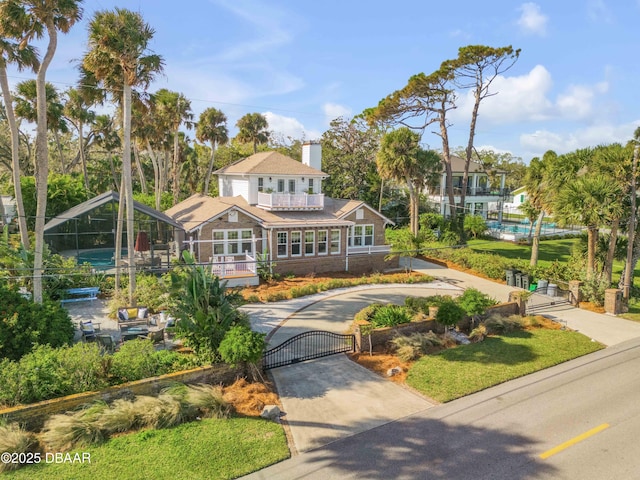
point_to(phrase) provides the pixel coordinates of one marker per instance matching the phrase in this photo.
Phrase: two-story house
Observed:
(481, 197)
(271, 209)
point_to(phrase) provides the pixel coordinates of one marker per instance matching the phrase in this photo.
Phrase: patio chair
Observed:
(88, 330)
(156, 336)
(107, 342)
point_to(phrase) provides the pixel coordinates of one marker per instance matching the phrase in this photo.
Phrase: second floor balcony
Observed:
(479, 192)
(291, 201)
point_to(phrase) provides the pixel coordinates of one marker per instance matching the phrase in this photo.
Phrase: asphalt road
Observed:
(578, 420)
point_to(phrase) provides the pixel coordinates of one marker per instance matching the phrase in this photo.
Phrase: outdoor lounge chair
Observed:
(107, 342)
(156, 336)
(88, 330)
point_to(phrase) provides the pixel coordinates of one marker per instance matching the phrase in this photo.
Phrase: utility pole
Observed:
(626, 287)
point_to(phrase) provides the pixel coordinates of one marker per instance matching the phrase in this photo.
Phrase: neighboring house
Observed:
(519, 196)
(481, 198)
(272, 208)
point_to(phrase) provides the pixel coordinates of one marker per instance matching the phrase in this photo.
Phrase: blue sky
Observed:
(303, 63)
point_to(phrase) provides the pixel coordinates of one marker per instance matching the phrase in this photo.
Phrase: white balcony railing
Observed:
(291, 201)
(368, 249)
(231, 266)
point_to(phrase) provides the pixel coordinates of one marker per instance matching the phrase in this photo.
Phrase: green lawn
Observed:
(466, 369)
(208, 449)
(550, 250)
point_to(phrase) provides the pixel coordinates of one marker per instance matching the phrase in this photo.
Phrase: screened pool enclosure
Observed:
(88, 232)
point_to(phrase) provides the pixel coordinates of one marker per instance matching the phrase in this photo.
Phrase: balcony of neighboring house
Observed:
(482, 192)
(290, 201)
(368, 249)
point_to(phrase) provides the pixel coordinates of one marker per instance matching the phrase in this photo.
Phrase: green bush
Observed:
(25, 324)
(411, 347)
(138, 359)
(63, 432)
(151, 292)
(474, 302)
(367, 313)
(449, 313)
(310, 289)
(422, 304)
(48, 373)
(240, 345)
(390, 316)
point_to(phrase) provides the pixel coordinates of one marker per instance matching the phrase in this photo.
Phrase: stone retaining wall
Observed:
(33, 416)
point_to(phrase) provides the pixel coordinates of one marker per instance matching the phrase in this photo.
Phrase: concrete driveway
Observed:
(332, 397)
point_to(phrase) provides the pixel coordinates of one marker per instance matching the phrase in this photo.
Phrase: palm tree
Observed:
(590, 200)
(13, 24)
(118, 41)
(175, 109)
(49, 15)
(253, 129)
(107, 137)
(76, 110)
(400, 158)
(212, 128)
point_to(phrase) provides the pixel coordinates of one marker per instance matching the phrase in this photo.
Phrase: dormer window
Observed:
(260, 184)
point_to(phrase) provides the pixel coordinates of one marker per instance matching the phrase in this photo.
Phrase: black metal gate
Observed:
(307, 346)
(546, 299)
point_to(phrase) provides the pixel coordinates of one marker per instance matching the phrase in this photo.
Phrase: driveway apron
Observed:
(331, 398)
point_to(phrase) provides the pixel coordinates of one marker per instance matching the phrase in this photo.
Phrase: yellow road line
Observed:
(574, 440)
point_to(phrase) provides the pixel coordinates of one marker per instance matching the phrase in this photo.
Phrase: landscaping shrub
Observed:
(422, 304)
(411, 347)
(121, 416)
(366, 314)
(25, 324)
(390, 316)
(207, 399)
(478, 334)
(63, 432)
(241, 344)
(138, 359)
(14, 439)
(497, 324)
(449, 313)
(475, 225)
(593, 290)
(474, 302)
(48, 373)
(310, 289)
(151, 292)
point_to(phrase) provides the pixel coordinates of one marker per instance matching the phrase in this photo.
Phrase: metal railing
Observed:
(307, 346)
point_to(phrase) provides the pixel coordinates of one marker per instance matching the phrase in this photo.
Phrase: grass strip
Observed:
(466, 369)
(207, 449)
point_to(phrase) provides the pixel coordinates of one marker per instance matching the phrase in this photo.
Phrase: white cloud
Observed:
(577, 101)
(598, 11)
(519, 98)
(335, 110)
(532, 20)
(289, 127)
(542, 140)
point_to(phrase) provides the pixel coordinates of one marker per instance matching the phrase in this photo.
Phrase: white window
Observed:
(280, 185)
(309, 242)
(292, 186)
(335, 242)
(361, 235)
(322, 242)
(296, 244)
(233, 216)
(283, 244)
(359, 214)
(260, 184)
(310, 189)
(232, 242)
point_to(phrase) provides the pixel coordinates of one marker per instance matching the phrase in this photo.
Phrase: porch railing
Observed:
(291, 200)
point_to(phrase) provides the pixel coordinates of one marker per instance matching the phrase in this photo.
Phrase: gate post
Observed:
(613, 301)
(520, 298)
(576, 294)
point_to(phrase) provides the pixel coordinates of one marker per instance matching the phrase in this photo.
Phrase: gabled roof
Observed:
(103, 199)
(457, 166)
(199, 209)
(269, 163)
(342, 208)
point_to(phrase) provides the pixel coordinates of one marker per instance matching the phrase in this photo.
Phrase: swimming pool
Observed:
(98, 257)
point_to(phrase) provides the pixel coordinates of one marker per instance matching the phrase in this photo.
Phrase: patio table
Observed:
(133, 333)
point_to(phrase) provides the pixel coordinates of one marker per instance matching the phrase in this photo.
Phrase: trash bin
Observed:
(542, 286)
(552, 290)
(525, 281)
(518, 280)
(510, 276)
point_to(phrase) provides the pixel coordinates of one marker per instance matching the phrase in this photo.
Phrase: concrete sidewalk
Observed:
(606, 329)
